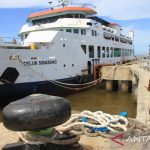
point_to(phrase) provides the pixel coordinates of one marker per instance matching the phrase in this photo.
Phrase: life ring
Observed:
(78, 79)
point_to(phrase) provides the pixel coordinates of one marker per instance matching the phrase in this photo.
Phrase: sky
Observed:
(131, 15)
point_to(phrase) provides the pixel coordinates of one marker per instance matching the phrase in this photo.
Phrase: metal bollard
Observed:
(38, 114)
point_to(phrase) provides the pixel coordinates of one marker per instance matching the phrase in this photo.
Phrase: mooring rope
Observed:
(65, 85)
(29, 138)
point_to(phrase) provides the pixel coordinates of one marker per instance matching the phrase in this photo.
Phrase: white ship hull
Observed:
(63, 50)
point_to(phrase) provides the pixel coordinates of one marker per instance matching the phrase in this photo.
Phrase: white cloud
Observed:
(124, 9)
(141, 41)
(116, 9)
(23, 3)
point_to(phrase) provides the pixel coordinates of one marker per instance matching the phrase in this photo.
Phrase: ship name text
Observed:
(42, 62)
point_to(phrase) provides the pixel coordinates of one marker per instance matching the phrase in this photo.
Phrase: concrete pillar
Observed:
(111, 85)
(126, 86)
(115, 85)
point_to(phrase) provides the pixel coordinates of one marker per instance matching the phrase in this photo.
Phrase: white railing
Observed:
(5, 41)
(84, 5)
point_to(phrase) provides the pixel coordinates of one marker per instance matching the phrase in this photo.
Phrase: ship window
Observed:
(68, 30)
(26, 35)
(130, 42)
(89, 23)
(95, 33)
(69, 16)
(92, 32)
(84, 48)
(64, 45)
(129, 52)
(83, 31)
(76, 31)
(117, 39)
(111, 52)
(117, 52)
(91, 51)
(113, 38)
(61, 30)
(107, 51)
(98, 51)
(82, 16)
(77, 16)
(125, 52)
(103, 52)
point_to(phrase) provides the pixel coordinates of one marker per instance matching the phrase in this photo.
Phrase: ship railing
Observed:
(10, 43)
(11, 40)
(86, 5)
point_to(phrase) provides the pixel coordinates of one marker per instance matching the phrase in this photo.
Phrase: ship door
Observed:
(89, 67)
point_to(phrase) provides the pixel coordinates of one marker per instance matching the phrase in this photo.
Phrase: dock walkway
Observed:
(143, 95)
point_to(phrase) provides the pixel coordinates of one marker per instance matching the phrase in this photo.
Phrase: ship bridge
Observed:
(53, 14)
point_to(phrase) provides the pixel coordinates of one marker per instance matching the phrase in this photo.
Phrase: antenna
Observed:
(50, 3)
(63, 2)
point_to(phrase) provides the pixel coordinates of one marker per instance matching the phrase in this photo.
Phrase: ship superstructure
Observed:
(60, 44)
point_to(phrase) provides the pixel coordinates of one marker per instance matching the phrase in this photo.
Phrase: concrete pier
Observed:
(143, 95)
(126, 86)
(122, 73)
(125, 74)
(109, 85)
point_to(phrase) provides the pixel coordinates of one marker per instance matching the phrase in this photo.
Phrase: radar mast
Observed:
(64, 2)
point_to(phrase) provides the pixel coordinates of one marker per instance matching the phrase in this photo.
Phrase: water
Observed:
(96, 99)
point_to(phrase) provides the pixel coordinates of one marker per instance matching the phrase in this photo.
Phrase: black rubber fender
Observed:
(36, 112)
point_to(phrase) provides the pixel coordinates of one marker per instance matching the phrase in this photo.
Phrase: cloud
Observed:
(124, 9)
(116, 9)
(141, 41)
(23, 3)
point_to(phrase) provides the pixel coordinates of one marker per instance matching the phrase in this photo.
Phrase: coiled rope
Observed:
(113, 123)
(96, 119)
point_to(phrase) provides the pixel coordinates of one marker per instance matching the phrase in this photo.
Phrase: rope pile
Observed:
(91, 123)
(102, 124)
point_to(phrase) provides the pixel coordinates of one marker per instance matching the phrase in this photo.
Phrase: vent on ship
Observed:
(9, 75)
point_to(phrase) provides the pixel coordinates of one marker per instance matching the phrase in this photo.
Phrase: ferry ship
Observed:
(60, 45)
